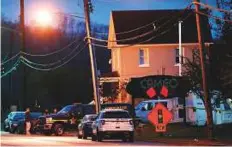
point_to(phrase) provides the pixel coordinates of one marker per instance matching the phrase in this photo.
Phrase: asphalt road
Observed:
(40, 140)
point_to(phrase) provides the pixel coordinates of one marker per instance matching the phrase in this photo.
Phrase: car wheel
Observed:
(131, 138)
(99, 136)
(47, 133)
(18, 131)
(5, 128)
(94, 138)
(59, 129)
(78, 135)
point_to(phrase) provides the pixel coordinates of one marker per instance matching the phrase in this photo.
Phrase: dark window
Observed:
(116, 115)
(177, 58)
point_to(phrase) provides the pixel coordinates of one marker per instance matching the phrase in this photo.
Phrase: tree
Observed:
(224, 28)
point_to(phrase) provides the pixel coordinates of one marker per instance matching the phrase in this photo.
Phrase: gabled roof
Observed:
(129, 20)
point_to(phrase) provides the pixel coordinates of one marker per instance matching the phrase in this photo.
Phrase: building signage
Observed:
(144, 87)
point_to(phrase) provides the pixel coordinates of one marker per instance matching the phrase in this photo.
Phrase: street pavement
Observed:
(41, 140)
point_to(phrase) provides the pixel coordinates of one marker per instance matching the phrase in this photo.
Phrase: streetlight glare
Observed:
(43, 18)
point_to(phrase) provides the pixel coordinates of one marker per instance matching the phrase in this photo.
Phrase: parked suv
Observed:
(113, 124)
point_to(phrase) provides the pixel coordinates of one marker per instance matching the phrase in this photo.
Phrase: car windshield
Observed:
(18, 116)
(138, 107)
(36, 115)
(65, 109)
(92, 117)
(116, 115)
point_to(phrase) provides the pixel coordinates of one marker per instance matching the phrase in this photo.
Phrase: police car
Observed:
(113, 124)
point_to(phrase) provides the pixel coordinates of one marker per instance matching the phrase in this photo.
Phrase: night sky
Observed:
(102, 8)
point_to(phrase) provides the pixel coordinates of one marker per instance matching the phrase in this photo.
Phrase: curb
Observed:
(188, 142)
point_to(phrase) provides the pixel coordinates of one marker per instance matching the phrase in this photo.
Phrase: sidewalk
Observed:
(191, 142)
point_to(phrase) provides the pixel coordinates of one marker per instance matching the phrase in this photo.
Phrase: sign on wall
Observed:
(158, 86)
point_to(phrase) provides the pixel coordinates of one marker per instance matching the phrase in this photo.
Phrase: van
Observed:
(172, 104)
(196, 113)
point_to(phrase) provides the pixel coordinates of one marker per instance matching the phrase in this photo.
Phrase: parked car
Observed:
(113, 124)
(85, 126)
(11, 121)
(15, 122)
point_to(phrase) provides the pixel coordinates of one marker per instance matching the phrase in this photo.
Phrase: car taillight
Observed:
(102, 122)
(131, 122)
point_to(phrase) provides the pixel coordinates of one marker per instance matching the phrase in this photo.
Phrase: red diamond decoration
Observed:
(151, 92)
(164, 91)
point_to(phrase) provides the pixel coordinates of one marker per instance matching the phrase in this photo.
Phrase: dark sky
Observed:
(102, 8)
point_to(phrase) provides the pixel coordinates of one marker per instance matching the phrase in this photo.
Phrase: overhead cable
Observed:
(48, 54)
(11, 70)
(144, 26)
(211, 7)
(8, 60)
(141, 35)
(53, 63)
(49, 69)
(215, 17)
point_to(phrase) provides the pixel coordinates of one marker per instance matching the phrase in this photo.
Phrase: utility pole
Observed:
(92, 57)
(22, 27)
(207, 99)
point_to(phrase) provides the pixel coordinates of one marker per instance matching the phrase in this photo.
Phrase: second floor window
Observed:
(177, 56)
(143, 57)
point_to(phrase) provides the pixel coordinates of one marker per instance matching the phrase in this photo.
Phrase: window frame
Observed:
(145, 57)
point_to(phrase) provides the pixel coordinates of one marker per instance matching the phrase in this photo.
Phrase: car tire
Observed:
(18, 131)
(59, 129)
(99, 136)
(6, 129)
(94, 138)
(131, 138)
(47, 133)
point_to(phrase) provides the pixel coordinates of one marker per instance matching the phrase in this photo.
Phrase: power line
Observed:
(138, 36)
(215, 17)
(72, 15)
(48, 54)
(12, 30)
(53, 63)
(4, 62)
(11, 70)
(144, 26)
(153, 37)
(49, 69)
(211, 7)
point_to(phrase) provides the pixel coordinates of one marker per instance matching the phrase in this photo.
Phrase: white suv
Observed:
(113, 124)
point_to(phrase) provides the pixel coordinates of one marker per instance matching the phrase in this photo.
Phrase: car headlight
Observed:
(49, 120)
(15, 125)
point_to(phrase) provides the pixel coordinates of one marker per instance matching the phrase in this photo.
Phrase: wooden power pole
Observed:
(207, 99)
(92, 58)
(23, 47)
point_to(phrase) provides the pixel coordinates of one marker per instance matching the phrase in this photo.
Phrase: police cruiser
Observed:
(113, 124)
